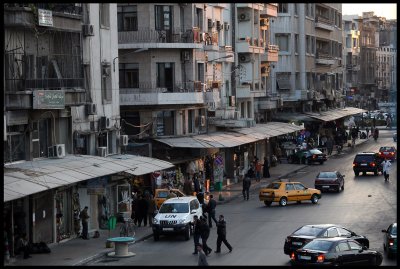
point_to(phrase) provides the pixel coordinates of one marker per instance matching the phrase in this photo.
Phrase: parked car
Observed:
(307, 233)
(307, 156)
(175, 216)
(284, 192)
(160, 195)
(336, 251)
(367, 162)
(390, 240)
(388, 152)
(332, 180)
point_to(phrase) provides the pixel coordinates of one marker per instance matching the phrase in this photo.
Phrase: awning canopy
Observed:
(28, 177)
(284, 116)
(334, 114)
(233, 138)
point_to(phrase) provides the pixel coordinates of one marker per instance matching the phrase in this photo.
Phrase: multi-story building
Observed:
(385, 73)
(308, 75)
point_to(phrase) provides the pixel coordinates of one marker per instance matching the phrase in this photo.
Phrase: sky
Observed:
(381, 10)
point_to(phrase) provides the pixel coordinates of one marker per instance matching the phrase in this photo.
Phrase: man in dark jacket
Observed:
(196, 232)
(142, 211)
(246, 187)
(205, 233)
(221, 232)
(212, 204)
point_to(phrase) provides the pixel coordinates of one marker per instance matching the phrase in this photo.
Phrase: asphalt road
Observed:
(257, 233)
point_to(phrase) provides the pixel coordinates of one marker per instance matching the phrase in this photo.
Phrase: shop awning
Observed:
(28, 177)
(283, 116)
(334, 114)
(270, 129)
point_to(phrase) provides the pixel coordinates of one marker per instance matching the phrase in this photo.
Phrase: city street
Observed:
(367, 205)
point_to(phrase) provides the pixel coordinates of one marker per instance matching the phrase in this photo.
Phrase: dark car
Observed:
(307, 233)
(336, 251)
(365, 162)
(390, 240)
(388, 152)
(307, 156)
(333, 180)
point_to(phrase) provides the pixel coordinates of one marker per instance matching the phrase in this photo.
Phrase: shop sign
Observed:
(45, 17)
(48, 99)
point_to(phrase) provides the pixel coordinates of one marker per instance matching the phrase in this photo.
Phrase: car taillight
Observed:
(391, 153)
(372, 164)
(292, 256)
(314, 156)
(354, 164)
(391, 242)
(321, 258)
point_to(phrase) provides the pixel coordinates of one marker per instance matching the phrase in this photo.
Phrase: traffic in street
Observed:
(257, 232)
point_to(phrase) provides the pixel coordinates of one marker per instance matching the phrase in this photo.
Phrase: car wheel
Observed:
(364, 173)
(283, 201)
(389, 255)
(187, 233)
(156, 236)
(343, 187)
(338, 189)
(314, 199)
(267, 203)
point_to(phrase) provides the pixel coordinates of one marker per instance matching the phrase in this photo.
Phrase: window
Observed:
(165, 76)
(343, 246)
(105, 15)
(289, 187)
(283, 8)
(308, 44)
(344, 232)
(299, 187)
(129, 75)
(127, 18)
(163, 17)
(165, 123)
(282, 40)
(296, 43)
(313, 45)
(332, 232)
(354, 246)
(190, 121)
(106, 90)
(200, 72)
(198, 22)
(295, 9)
(307, 10)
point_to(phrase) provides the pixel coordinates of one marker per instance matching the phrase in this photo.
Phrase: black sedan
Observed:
(307, 156)
(335, 251)
(307, 233)
(390, 240)
(329, 181)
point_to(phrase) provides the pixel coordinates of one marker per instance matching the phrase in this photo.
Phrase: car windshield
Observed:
(274, 186)
(321, 245)
(308, 230)
(326, 175)
(174, 208)
(315, 151)
(394, 230)
(366, 158)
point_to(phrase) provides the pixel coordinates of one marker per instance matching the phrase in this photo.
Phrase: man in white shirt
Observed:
(386, 168)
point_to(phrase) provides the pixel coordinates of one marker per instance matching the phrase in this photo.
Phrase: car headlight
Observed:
(156, 221)
(182, 221)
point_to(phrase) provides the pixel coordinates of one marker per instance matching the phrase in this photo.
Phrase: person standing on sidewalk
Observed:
(142, 211)
(85, 222)
(196, 232)
(329, 145)
(258, 170)
(266, 173)
(212, 204)
(221, 232)
(246, 187)
(151, 208)
(202, 261)
(386, 168)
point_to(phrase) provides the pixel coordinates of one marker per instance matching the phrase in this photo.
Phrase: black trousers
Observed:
(211, 215)
(386, 175)
(196, 240)
(85, 230)
(206, 248)
(245, 192)
(220, 239)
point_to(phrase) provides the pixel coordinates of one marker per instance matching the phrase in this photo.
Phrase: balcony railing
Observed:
(154, 87)
(67, 8)
(319, 19)
(147, 35)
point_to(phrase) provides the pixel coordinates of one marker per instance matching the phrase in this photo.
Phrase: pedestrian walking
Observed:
(196, 227)
(246, 187)
(204, 234)
(367, 130)
(212, 204)
(85, 222)
(221, 232)
(187, 187)
(266, 173)
(22, 246)
(329, 145)
(141, 211)
(196, 184)
(151, 209)
(386, 168)
(250, 172)
(202, 261)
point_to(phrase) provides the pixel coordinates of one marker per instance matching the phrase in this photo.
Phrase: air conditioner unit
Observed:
(123, 140)
(56, 151)
(244, 16)
(219, 26)
(185, 55)
(88, 30)
(226, 26)
(244, 58)
(91, 109)
(105, 123)
(102, 151)
(203, 121)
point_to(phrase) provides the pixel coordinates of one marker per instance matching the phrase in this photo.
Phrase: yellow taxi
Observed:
(160, 195)
(287, 191)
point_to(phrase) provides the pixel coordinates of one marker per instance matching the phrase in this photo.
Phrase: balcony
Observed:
(324, 23)
(250, 45)
(211, 43)
(243, 91)
(181, 93)
(324, 58)
(151, 38)
(271, 54)
(250, 5)
(270, 10)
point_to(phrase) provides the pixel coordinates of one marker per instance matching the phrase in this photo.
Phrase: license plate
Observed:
(297, 243)
(325, 187)
(168, 229)
(305, 257)
(364, 164)
(386, 153)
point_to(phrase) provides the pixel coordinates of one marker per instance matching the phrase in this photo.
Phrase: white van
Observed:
(175, 216)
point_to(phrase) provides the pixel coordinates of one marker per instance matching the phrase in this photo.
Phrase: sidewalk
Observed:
(79, 252)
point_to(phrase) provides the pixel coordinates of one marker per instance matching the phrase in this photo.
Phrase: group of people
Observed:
(250, 174)
(143, 209)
